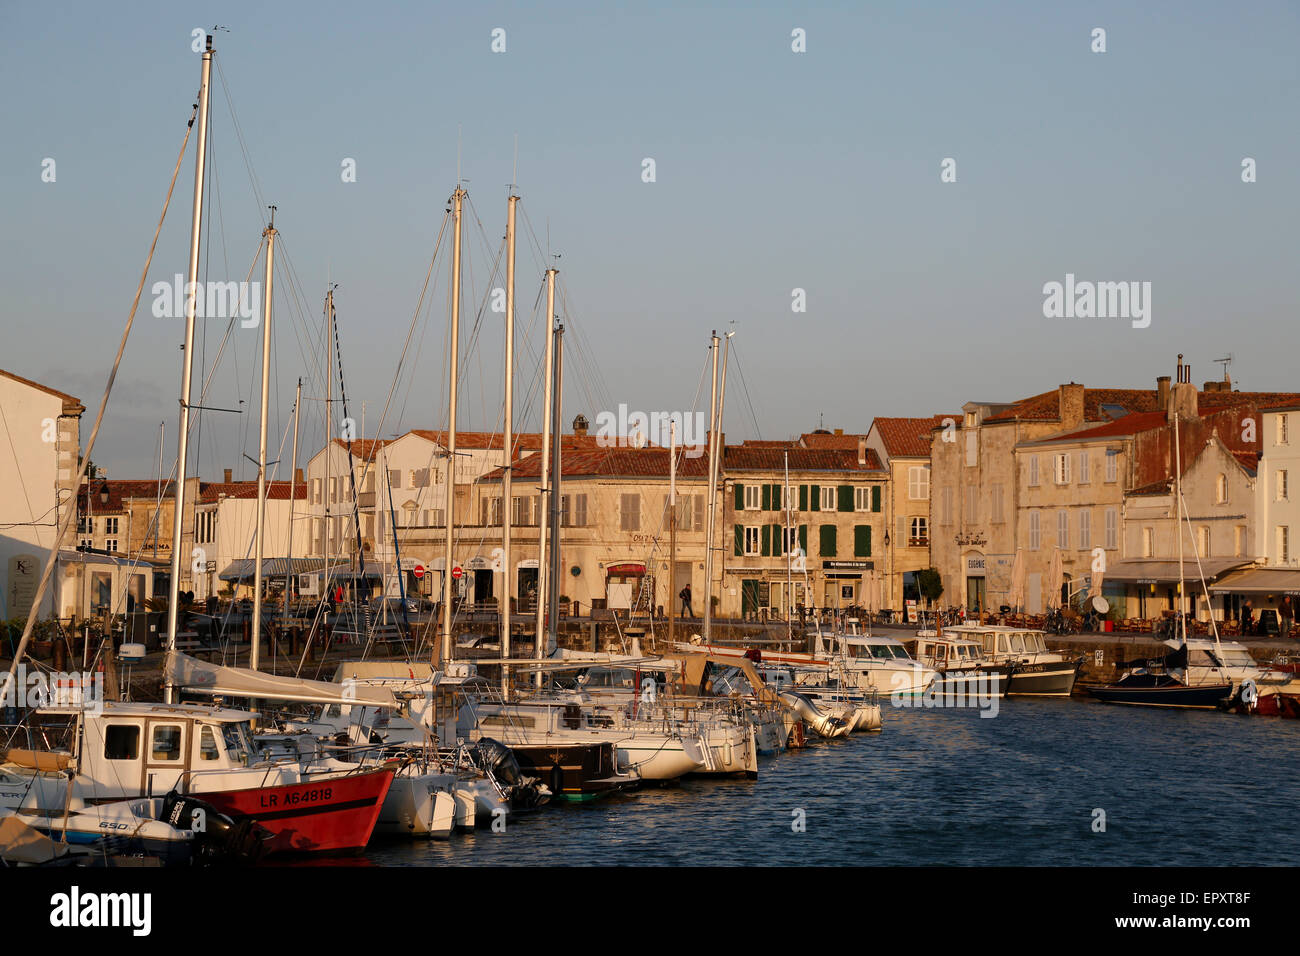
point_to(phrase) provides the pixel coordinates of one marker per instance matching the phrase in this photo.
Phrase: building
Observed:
(801, 526)
(903, 447)
(39, 458)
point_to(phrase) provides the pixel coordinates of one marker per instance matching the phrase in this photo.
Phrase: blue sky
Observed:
(775, 170)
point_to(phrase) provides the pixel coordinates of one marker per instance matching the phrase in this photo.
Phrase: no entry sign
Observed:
(456, 572)
(418, 570)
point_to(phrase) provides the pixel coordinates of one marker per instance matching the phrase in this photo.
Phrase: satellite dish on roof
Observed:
(1100, 605)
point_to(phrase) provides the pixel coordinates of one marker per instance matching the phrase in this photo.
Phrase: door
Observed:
(527, 589)
(748, 597)
(681, 578)
(975, 594)
(166, 756)
(482, 586)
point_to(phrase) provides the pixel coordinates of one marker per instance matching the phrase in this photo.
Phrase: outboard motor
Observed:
(499, 760)
(217, 837)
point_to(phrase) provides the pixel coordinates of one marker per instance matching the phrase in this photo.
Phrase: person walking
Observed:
(685, 595)
(1285, 617)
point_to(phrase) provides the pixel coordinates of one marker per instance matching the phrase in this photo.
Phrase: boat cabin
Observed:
(945, 652)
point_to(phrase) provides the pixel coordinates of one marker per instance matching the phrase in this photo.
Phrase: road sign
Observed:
(456, 572)
(418, 570)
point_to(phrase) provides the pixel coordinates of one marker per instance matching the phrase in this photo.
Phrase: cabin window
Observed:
(208, 745)
(166, 742)
(121, 742)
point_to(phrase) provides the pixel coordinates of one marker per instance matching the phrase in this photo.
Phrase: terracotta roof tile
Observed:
(742, 458)
(909, 437)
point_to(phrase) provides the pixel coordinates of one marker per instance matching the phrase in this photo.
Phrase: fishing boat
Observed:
(964, 669)
(1032, 669)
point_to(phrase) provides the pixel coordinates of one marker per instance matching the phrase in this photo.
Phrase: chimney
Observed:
(839, 431)
(580, 426)
(862, 451)
(298, 478)
(1071, 403)
(1162, 387)
(1183, 401)
(227, 479)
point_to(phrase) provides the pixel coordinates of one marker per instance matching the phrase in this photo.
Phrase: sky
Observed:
(774, 171)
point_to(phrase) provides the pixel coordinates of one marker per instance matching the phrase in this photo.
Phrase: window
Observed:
(1148, 542)
(1240, 540)
(394, 478)
(751, 497)
(1112, 465)
(920, 536)
(315, 491)
(1085, 530)
(1281, 485)
(1203, 541)
(1112, 529)
(578, 519)
(629, 513)
(862, 499)
(946, 503)
(208, 744)
(918, 482)
(1282, 430)
(789, 539)
(420, 478)
(1035, 532)
(121, 742)
(84, 525)
(1221, 489)
(334, 491)
(1063, 529)
(1085, 471)
(972, 449)
(1283, 544)
(110, 526)
(1033, 470)
(751, 541)
(828, 497)
(1061, 469)
(494, 510)
(166, 742)
(110, 544)
(995, 502)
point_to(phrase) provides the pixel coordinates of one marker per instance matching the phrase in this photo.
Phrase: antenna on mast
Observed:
(1225, 362)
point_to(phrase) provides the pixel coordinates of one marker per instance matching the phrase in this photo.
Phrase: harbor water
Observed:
(1046, 782)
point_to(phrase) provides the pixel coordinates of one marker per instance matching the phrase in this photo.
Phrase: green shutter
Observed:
(828, 541)
(778, 495)
(862, 540)
(803, 497)
(803, 539)
(767, 497)
(875, 498)
(816, 498)
(767, 540)
(740, 498)
(845, 498)
(740, 540)
(778, 541)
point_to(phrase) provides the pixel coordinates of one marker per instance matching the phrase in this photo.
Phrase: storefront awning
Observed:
(1259, 581)
(1151, 571)
(242, 569)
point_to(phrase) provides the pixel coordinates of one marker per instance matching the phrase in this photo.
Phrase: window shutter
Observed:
(767, 541)
(875, 498)
(778, 540)
(740, 540)
(862, 541)
(699, 512)
(778, 497)
(803, 497)
(845, 497)
(740, 497)
(767, 497)
(803, 539)
(815, 498)
(828, 541)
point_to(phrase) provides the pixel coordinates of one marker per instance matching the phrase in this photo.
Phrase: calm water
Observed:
(947, 787)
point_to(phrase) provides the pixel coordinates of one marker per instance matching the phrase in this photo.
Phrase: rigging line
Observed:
(743, 384)
(67, 519)
(239, 137)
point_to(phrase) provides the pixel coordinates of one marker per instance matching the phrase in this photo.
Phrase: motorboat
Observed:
(1034, 670)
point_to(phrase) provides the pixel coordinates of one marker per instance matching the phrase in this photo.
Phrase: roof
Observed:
(745, 458)
(611, 463)
(363, 448)
(1162, 570)
(487, 441)
(119, 491)
(909, 437)
(275, 490)
(242, 569)
(830, 440)
(1260, 581)
(71, 404)
(1121, 427)
(1046, 406)
(1156, 488)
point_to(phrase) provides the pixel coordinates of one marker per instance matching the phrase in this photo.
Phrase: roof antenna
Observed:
(1225, 362)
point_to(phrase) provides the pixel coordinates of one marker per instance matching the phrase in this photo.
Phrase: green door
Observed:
(748, 597)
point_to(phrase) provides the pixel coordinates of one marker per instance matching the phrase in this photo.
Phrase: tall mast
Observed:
(458, 198)
(542, 500)
(329, 430)
(187, 373)
(293, 493)
(789, 572)
(672, 526)
(713, 477)
(157, 528)
(557, 432)
(1178, 522)
(508, 442)
(260, 546)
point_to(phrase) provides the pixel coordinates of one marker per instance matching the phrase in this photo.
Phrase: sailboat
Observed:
(1177, 679)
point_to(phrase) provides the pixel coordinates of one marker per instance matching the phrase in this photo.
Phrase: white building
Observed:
(39, 444)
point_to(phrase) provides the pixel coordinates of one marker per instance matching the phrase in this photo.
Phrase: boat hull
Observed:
(1043, 679)
(1204, 697)
(574, 772)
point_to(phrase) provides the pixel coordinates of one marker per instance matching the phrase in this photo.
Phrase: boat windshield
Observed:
(1017, 643)
(238, 738)
(1236, 657)
(1034, 642)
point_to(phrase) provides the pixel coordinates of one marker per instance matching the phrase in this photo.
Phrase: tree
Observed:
(930, 584)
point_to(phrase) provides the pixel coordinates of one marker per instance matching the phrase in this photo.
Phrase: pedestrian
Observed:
(1285, 617)
(1247, 620)
(685, 595)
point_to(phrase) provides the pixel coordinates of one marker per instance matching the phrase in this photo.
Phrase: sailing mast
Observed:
(542, 500)
(789, 572)
(293, 493)
(458, 198)
(260, 545)
(508, 442)
(557, 430)
(715, 454)
(326, 576)
(191, 302)
(672, 525)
